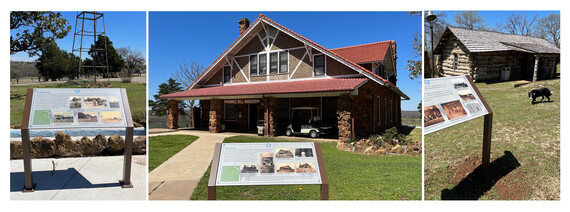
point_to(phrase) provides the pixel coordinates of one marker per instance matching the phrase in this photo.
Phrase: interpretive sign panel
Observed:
(449, 101)
(268, 164)
(77, 108)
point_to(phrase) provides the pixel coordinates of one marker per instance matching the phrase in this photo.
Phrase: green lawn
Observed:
(530, 132)
(136, 93)
(161, 148)
(351, 177)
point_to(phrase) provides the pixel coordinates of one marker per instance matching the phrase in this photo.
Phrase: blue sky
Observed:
(492, 18)
(175, 37)
(123, 29)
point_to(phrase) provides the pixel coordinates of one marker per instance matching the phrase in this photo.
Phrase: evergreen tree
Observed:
(159, 106)
(97, 52)
(53, 63)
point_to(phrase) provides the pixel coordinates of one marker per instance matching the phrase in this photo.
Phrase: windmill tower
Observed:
(91, 23)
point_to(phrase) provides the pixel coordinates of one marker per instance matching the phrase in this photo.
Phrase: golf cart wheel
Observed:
(313, 134)
(288, 132)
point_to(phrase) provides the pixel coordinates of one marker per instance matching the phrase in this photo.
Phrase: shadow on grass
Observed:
(534, 103)
(406, 130)
(482, 180)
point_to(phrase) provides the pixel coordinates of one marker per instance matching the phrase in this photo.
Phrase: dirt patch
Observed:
(472, 181)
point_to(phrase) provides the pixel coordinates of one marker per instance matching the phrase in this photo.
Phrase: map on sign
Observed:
(449, 101)
(77, 108)
(268, 164)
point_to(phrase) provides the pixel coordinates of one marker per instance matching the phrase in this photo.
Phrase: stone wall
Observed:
(344, 113)
(64, 146)
(271, 114)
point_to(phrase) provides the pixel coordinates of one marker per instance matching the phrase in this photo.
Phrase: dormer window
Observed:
(253, 65)
(319, 65)
(227, 74)
(262, 64)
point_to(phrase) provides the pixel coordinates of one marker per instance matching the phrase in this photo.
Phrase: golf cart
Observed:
(305, 121)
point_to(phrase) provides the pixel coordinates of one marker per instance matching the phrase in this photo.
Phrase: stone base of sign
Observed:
(64, 146)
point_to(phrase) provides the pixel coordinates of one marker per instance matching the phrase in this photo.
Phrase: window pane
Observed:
(273, 62)
(253, 65)
(262, 63)
(230, 112)
(319, 65)
(283, 62)
(227, 74)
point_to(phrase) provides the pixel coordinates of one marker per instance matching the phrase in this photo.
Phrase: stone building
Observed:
(269, 69)
(486, 55)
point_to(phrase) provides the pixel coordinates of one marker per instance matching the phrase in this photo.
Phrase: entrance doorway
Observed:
(252, 115)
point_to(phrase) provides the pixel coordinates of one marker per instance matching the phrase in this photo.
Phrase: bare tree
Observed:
(548, 27)
(518, 24)
(470, 20)
(185, 74)
(134, 60)
(439, 26)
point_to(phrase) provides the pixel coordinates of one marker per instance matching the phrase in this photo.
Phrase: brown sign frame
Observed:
(29, 185)
(216, 161)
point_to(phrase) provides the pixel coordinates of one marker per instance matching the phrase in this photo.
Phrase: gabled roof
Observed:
(284, 87)
(487, 41)
(365, 53)
(259, 22)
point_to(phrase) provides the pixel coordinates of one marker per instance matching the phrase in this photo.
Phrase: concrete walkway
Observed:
(85, 178)
(177, 177)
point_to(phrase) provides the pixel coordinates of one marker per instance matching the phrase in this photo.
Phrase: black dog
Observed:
(539, 92)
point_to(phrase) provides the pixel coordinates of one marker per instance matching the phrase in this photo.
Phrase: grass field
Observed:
(525, 149)
(351, 177)
(136, 93)
(161, 148)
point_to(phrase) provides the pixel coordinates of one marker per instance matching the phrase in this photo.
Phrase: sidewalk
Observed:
(85, 178)
(177, 177)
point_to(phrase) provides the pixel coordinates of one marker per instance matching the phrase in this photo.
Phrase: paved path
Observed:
(177, 177)
(84, 178)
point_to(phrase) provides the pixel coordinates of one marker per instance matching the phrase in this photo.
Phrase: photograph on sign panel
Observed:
(267, 165)
(283, 153)
(466, 95)
(432, 115)
(453, 109)
(114, 102)
(249, 168)
(95, 102)
(62, 117)
(111, 117)
(41, 117)
(74, 102)
(285, 167)
(306, 168)
(87, 116)
(303, 152)
(474, 108)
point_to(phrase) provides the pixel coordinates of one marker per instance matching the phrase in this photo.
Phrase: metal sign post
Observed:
(296, 165)
(36, 117)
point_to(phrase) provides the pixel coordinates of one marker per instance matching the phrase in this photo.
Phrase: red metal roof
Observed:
(296, 86)
(364, 53)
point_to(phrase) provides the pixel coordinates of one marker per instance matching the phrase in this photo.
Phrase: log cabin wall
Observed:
(445, 63)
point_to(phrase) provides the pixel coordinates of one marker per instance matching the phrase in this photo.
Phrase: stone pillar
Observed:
(344, 116)
(204, 114)
(270, 116)
(535, 68)
(172, 122)
(216, 110)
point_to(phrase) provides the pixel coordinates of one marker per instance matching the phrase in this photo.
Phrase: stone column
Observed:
(216, 110)
(270, 116)
(534, 76)
(344, 116)
(172, 114)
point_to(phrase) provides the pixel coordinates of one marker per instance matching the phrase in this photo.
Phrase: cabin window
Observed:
(455, 61)
(283, 62)
(229, 111)
(273, 63)
(227, 74)
(262, 64)
(319, 65)
(253, 65)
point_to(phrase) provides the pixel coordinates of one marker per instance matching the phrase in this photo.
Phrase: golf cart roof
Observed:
(305, 108)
